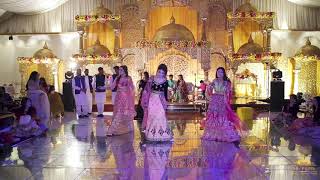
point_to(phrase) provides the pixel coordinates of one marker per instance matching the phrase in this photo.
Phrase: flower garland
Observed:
(246, 74)
(95, 18)
(94, 59)
(31, 60)
(302, 58)
(258, 15)
(256, 57)
(171, 44)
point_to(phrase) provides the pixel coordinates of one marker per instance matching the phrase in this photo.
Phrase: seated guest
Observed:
(291, 109)
(300, 99)
(5, 99)
(27, 127)
(308, 121)
(56, 104)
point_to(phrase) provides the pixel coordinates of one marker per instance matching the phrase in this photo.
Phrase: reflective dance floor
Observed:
(78, 149)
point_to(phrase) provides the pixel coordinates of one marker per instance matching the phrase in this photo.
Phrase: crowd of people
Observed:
(155, 92)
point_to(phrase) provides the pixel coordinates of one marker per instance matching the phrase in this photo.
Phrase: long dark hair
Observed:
(146, 75)
(125, 69)
(164, 68)
(225, 77)
(33, 75)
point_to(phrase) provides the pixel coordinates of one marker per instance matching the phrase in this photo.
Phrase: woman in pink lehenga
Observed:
(123, 109)
(221, 123)
(154, 103)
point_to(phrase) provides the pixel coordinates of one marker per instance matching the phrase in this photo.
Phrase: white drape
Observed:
(30, 6)
(288, 15)
(60, 19)
(310, 3)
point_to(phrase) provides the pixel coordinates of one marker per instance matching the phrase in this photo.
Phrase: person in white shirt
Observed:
(89, 80)
(79, 90)
(100, 82)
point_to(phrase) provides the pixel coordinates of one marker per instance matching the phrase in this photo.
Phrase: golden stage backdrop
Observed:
(103, 31)
(160, 16)
(242, 32)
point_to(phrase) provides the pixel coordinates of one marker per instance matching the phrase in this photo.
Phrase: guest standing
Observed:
(100, 82)
(89, 92)
(221, 124)
(141, 86)
(114, 90)
(171, 87)
(123, 109)
(79, 90)
(56, 104)
(38, 100)
(182, 90)
(43, 85)
(154, 102)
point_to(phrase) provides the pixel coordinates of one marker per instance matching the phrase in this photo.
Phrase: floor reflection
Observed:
(35, 155)
(79, 149)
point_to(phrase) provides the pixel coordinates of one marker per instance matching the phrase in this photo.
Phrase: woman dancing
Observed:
(221, 124)
(123, 109)
(154, 102)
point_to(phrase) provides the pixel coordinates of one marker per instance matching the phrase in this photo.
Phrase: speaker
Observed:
(68, 99)
(277, 96)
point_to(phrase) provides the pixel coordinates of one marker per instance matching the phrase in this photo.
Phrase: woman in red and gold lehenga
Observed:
(221, 123)
(123, 109)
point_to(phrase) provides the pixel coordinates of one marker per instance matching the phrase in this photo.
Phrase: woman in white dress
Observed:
(154, 103)
(38, 99)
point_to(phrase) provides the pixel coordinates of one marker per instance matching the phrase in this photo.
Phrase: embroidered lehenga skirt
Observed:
(157, 127)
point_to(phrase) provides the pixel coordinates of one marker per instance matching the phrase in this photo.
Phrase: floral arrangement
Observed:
(256, 57)
(31, 60)
(96, 18)
(90, 57)
(246, 74)
(258, 15)
(302, 57)
(171, 44)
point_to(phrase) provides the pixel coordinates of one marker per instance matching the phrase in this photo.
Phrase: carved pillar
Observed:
(81, 32)
(268, 40)
(296, 81)
(117, 41)
(230, 41)
(23, 76)
(143, 24)
(203, 34)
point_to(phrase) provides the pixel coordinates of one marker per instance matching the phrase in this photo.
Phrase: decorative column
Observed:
(23, 75)
(296, 81)
(264, 34)
(230, 41)
(117, 41)
(203, 34)
(268, 48)
(81, 32)
(143, 24)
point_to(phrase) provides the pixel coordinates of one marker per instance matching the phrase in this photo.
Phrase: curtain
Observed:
(28, 7)
(61, 19)
(288, 15)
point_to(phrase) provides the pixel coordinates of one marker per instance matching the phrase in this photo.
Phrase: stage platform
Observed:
(201, 105)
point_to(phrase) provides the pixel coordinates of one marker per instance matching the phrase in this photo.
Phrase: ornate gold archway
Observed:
(178, 62)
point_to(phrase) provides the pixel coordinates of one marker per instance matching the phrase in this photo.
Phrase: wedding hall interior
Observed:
(75, 74)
